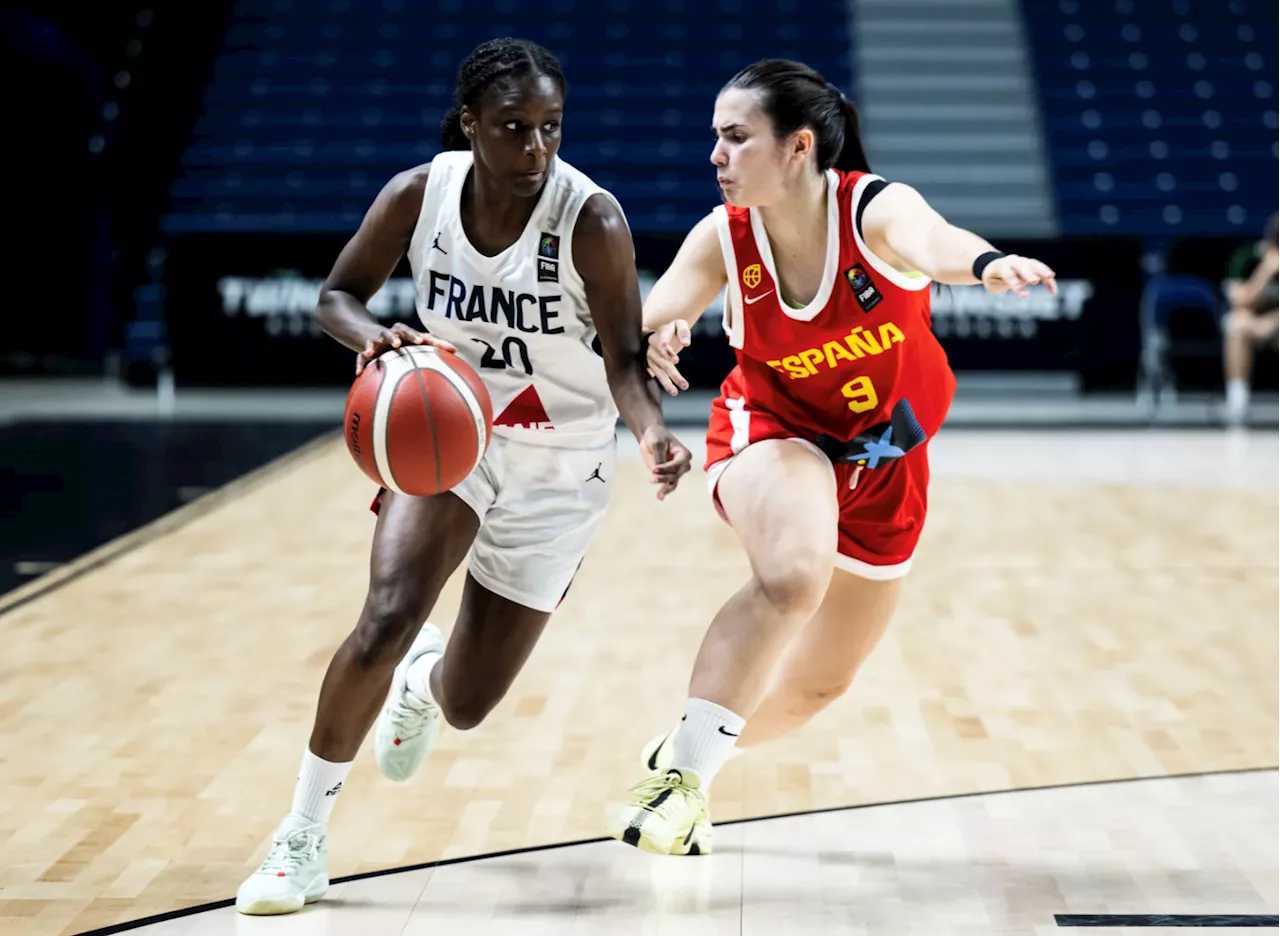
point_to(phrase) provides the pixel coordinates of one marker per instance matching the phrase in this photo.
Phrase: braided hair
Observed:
(490, 62)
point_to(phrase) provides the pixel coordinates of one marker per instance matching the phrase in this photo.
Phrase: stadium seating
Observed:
(314, 104)
(1160, 115)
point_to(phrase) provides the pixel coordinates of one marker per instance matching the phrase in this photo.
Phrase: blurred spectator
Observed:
(1251, 291)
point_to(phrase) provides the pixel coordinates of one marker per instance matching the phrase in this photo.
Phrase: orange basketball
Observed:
(418, 420)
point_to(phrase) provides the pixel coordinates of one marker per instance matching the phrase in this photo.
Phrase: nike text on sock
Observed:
(706, 737)
(319, 782)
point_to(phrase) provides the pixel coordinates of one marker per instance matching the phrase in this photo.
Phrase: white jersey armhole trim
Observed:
(415, 241)
(570, 225)
(899, 279)
(733, 295)
(438, 177)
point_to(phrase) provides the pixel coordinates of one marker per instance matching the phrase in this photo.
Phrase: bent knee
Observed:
(391, 618)
(1239, 322)
(795, 589)
(466, 712)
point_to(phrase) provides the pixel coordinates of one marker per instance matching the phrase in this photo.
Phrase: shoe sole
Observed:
(634, 833)
(697, 842)
(278, 906)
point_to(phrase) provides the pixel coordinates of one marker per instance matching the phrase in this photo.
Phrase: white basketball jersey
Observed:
(520, 318)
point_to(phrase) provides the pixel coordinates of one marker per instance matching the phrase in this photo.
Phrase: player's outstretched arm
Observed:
(690, 284)
(605, 258)
(366, 262)
(905, 231)
(679, 298)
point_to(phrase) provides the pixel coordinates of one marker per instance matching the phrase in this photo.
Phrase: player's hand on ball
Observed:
(1014, 274)
(394, 337)
(666, 458)
(665, 346)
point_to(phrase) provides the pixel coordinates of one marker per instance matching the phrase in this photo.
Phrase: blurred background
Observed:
(182, 176)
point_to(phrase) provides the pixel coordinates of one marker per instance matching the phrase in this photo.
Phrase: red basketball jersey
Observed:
(841, 364)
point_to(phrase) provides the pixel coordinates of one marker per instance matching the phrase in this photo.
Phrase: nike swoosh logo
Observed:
(750, 300)
(653, 758)
(728, 733)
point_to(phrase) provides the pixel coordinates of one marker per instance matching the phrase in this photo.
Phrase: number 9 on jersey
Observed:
(861, 394)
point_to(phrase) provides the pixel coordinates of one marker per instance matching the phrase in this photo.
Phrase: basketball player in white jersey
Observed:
(522, 265)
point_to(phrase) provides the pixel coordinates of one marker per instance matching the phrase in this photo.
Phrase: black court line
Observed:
(533, 849)
(1172, 919)
(166, 523)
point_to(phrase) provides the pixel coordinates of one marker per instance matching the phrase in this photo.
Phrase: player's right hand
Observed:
(394, 337)
(665, 346)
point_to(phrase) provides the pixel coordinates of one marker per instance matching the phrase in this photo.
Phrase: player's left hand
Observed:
(666, 458)
(1014, 274)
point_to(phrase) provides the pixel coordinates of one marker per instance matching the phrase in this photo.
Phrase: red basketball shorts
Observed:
(882, 510)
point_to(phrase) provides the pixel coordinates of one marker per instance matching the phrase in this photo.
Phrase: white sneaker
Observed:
(408, 725)
(295, 872)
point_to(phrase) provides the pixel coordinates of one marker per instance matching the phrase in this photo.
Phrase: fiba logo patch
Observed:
(751, 276)
(548, 257)
(864, 290)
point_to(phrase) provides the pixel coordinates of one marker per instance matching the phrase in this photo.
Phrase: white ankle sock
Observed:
(1237, 394)
(705, 739)
(670, 740)
(319, 781)
(418, 679)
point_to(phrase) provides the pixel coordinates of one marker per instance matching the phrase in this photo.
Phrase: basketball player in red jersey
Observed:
(511, 248)
(817, 446)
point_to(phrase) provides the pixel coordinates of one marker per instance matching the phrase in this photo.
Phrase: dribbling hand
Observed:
(394, 337)
(663, 354)
(1014, 274)
(665, 457)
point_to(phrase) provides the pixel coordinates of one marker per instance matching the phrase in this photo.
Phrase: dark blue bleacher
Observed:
(314, 104)
(1160, 114)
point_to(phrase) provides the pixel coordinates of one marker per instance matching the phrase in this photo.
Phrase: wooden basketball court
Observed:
(153, 707)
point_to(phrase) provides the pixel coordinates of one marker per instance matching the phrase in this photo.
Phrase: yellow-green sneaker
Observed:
(667, 815)
(657, 753)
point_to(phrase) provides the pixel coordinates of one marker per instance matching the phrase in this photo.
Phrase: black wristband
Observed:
(981, 263)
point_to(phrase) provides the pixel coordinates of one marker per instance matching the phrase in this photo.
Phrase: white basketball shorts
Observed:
(539, 506)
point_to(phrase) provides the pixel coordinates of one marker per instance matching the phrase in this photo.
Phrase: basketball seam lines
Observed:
(431, 416)
(476, 411)
(465, 402)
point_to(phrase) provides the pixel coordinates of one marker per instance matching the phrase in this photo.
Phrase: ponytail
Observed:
(793, 95)
(451, 135)
(852, 157)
